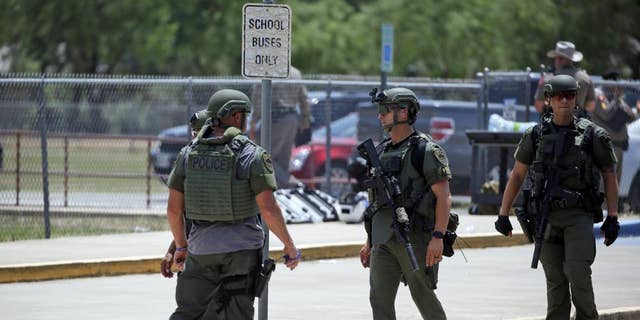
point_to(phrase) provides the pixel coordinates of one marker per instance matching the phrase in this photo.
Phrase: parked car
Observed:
(165, 151)
(445, 120)
(630, 178)
(342, 104)
(308, 161)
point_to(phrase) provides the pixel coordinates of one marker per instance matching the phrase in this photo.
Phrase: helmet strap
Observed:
(389, 127)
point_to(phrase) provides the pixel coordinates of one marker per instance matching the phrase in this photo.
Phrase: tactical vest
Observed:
(415, 196)
(213, 190)
(579, 177)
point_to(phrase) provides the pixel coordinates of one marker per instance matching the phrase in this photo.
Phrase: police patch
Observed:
(441, 156)
(266, 160)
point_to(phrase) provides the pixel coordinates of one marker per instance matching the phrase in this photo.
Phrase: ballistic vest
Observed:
(578, 176)
(415, 196)
(213, 189)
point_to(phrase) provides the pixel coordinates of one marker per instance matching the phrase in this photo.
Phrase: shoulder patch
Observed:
(266, 161)
(439, 153)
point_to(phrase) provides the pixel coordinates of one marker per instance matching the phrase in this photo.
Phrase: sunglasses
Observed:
(565, 95)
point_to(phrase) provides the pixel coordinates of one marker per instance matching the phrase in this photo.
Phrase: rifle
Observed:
(387, 190)
(544, 193)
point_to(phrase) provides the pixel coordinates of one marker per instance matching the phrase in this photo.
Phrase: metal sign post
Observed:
(386, 54)
(266, 54)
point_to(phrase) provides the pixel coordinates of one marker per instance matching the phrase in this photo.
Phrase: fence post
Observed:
(148, 173)
(527, 95)
(189, 104)
(45, 164)
(66, 171)
(17, 168)
(327, 116)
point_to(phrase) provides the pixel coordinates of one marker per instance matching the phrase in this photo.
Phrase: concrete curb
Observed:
(151, 264)
(624, 313)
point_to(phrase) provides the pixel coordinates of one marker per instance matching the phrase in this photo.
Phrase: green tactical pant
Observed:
(567, 254)
(389, 262)
(216, 286)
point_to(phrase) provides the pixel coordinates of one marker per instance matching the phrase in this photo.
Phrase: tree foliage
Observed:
(436, 38)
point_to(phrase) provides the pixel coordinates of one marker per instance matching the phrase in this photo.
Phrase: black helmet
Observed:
(560, 83)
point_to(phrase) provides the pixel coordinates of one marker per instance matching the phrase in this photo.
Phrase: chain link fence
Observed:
(87, 154)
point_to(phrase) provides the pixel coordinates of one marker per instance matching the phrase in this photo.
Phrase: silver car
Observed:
(629, 183)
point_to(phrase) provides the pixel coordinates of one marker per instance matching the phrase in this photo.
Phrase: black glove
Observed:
(610, 228)
(503, 225)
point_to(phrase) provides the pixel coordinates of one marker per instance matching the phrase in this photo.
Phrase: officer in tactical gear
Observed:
(223, 182)
(568, 247)
(425, 196)
(565, 56)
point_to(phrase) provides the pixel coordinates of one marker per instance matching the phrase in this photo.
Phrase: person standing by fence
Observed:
(287, 99)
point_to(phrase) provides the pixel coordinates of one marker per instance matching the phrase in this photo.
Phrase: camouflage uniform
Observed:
(569, 246)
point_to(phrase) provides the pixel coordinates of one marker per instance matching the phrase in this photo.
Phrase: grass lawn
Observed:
(31, 225)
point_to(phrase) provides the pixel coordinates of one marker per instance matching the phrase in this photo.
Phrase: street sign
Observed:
(266, 41)
(386, 64)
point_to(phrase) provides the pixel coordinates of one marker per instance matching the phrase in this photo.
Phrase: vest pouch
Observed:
(208, 185)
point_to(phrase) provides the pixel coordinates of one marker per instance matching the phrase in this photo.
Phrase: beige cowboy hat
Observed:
(566, 49)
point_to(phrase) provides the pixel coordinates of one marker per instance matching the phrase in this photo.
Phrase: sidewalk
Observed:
(116, 254)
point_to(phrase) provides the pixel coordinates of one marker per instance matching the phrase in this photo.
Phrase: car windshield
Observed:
(344, 127)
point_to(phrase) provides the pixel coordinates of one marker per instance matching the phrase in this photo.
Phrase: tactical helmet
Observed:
(227, 101)
(396, 98)
(198, 119)
(560, 83)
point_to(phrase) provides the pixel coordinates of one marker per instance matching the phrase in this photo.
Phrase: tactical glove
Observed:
(610, 228)
(503, 225)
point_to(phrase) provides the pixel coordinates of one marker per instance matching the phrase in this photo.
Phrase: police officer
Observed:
(568, 249)
(288, 99)
(565, 56)
(613, 114)
(196, 122)
(421, 189)
(223, 183)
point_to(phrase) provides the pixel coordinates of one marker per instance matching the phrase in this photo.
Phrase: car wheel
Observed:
(338, 172)
(634, 195)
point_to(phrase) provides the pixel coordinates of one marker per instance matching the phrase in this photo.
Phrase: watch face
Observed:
(437, 234)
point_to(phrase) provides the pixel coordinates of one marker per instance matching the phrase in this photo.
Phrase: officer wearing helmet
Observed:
(196, 122)
(584, 153)
(223, 182)
(425, 195)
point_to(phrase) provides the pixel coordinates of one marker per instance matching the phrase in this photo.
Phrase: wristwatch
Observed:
(437, 234)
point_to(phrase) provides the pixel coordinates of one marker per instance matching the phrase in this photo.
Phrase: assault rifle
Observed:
(387, 190)
(547, 179)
